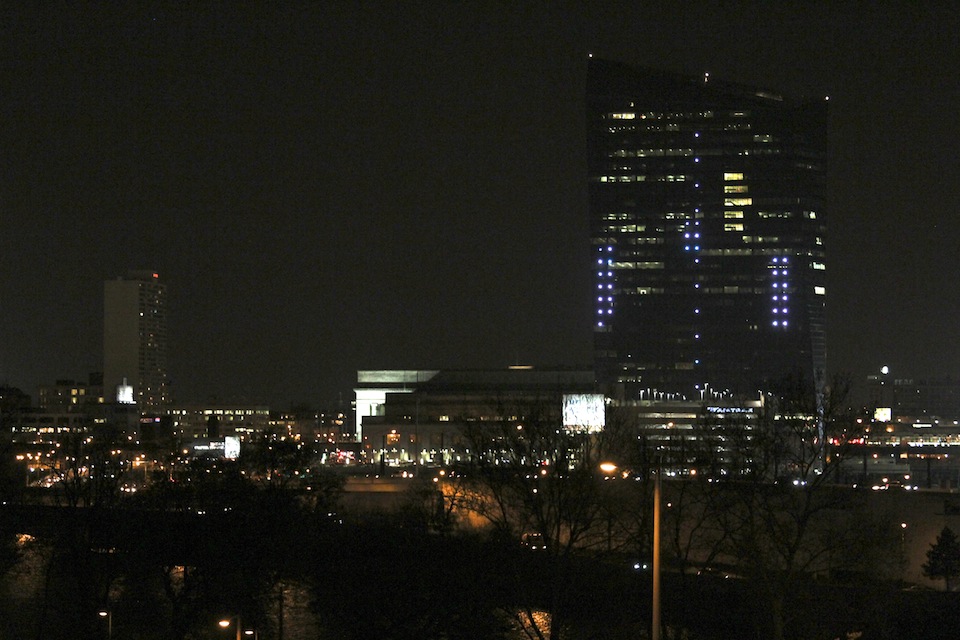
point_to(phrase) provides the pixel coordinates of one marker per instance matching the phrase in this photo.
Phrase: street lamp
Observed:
(227, 621)
(238, 624)
(655, 617)
(106, 613)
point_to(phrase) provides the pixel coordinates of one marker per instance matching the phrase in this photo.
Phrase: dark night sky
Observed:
(331, 187)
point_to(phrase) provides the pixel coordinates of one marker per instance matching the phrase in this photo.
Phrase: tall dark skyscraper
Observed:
(135, 339)
(707, 228)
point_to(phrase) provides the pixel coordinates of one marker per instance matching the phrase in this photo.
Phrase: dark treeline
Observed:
(528, 540)
(175, 573)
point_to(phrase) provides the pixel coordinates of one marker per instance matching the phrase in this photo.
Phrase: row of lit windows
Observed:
(748, 278)
(659, 115)
(727, 176)
(722, 252)
(623, 228)
(724, 290)
(772, 251)
(676, 128)
(659, 152)
(668, 115)
(645, 178)
(727, 215)
(637, 265)
(650, 153)
(729, 226)
(777, 215)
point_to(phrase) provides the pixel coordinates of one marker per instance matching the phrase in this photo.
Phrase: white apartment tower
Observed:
(135, 340)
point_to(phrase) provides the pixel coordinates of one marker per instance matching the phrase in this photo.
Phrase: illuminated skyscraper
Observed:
(707, 226)
(135, 340)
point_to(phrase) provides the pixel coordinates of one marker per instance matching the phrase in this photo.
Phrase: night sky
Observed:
(343, 186)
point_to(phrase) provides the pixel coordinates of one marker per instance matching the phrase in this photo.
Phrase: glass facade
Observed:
(707, 219)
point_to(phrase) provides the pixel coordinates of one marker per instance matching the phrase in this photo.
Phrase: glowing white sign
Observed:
(125, 393)
(231, 448)
(883, 414)
(584, 412)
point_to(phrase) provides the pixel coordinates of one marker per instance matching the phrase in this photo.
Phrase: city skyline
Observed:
(327, 188)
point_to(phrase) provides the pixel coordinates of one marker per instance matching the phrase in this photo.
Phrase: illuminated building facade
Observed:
(194, 421)
(707, 231)
(420, 417)
(71, 395)
(135, 340)
(914, 398)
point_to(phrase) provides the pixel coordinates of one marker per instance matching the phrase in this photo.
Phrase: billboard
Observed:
(228, 448)
(125, 393)
(231, 448)
(584, 412)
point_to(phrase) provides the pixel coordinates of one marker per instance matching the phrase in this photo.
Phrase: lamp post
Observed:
(238, 623)
(608, 469)
(655, 617)
(106, 613)
(235, 620)
(903, 541)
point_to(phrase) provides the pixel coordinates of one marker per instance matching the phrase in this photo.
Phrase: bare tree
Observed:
(89, 467)
(538, 482)
(782, 516)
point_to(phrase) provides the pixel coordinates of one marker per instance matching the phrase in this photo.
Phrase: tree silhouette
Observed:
(531, 475)
(943, 557)
(764, 498)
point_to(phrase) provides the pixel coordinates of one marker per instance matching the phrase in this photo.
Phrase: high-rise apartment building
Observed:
(707, 229)
(135, 340)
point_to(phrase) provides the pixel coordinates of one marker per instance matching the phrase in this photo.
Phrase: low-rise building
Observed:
(419, 417)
